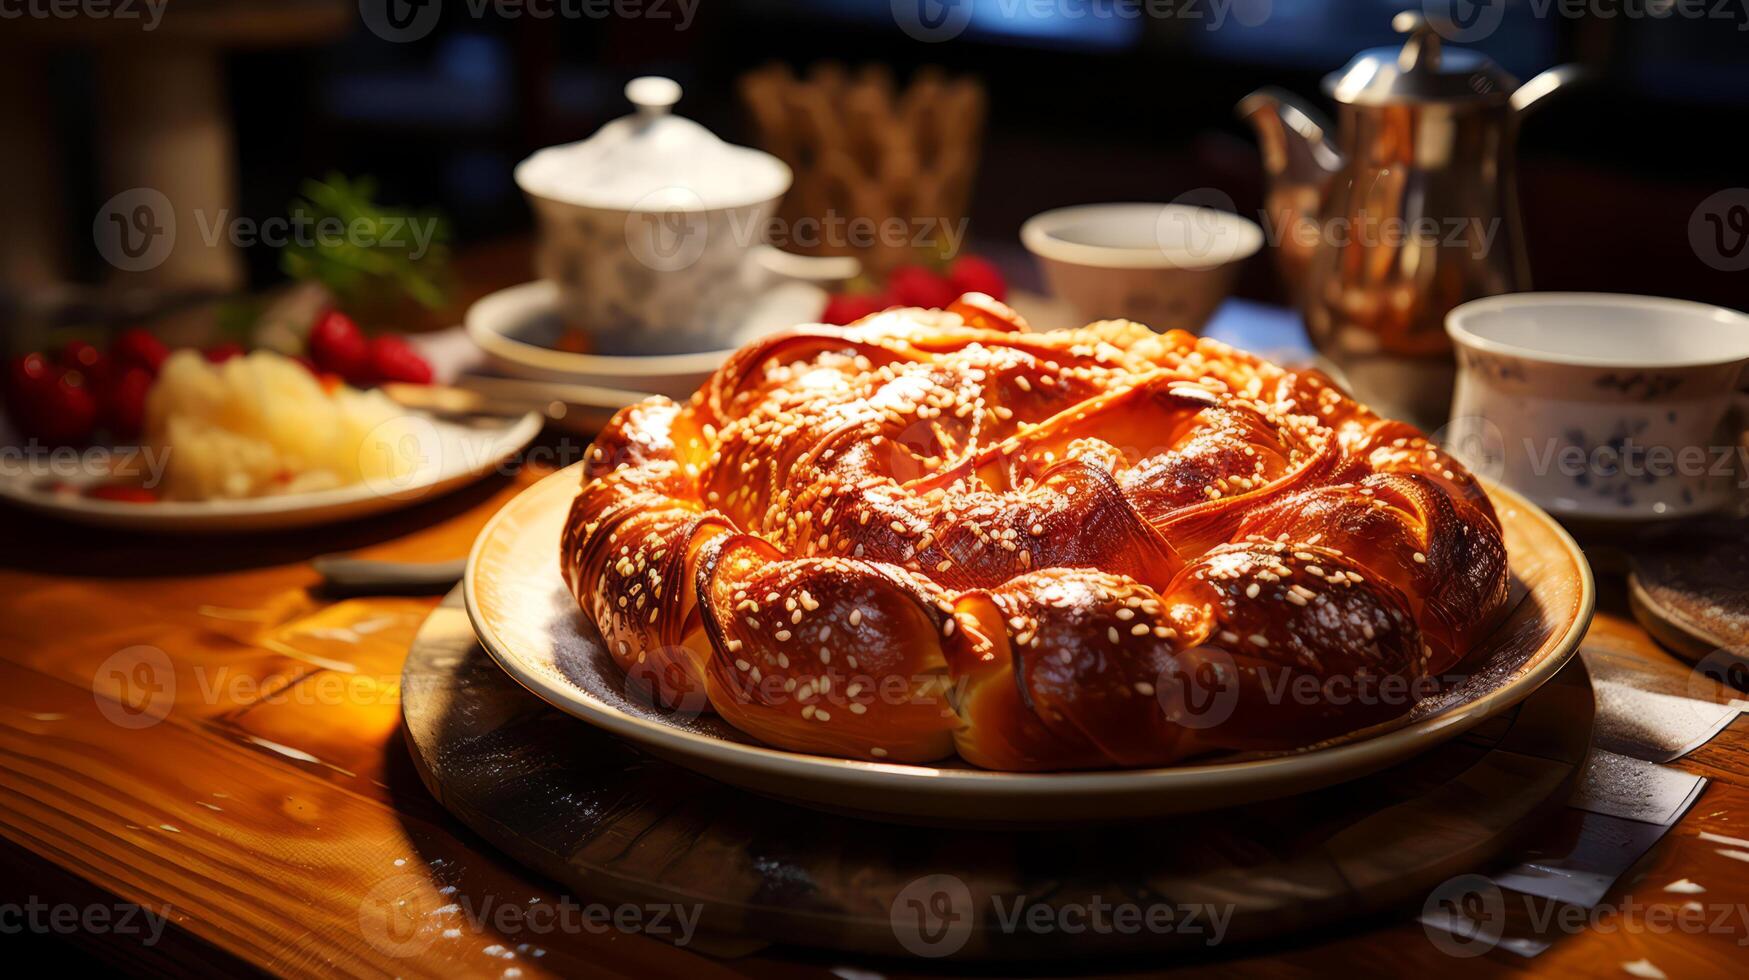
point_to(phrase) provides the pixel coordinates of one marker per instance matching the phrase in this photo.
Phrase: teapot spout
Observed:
(1298, 159)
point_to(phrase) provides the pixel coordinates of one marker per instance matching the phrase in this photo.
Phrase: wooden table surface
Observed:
(274, 799)
(185, 725)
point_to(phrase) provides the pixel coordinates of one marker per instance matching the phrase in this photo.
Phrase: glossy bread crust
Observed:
(935, 532)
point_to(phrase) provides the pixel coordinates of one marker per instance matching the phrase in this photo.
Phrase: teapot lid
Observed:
(653, 160)
(1422, 70)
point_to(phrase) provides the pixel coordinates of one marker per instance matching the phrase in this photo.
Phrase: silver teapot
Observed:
(1411, 210)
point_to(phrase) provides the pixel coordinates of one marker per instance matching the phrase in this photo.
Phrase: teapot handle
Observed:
(1531, 93)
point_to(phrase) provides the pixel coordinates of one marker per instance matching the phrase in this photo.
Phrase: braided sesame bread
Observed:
(935, 532)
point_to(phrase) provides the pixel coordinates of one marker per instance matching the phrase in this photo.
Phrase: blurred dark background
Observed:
(1083, 106)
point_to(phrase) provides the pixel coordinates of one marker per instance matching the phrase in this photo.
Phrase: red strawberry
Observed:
(124, 404)
(975, 274)
(80, 355)
(220, 353)
(914, 285)
(851, 307)
(97, 367)
(393, 359)
(136, 346)
(337, 346)
(28, 380)
(66, 411)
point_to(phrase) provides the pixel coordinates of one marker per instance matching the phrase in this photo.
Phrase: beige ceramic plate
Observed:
(528, 622)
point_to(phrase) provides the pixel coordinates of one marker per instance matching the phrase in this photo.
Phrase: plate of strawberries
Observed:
(136, 434)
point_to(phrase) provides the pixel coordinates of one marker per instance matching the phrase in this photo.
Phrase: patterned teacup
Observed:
(1602, 406)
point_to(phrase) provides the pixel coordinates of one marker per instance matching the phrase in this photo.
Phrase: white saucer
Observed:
(519, 330)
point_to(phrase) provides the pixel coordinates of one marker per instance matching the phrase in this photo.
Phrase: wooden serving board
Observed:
(611, 824)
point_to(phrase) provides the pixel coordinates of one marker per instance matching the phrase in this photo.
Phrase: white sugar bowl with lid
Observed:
(654, 229)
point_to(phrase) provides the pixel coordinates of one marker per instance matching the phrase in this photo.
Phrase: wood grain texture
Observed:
(277, 877)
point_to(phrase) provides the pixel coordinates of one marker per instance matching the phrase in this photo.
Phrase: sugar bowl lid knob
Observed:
(653, 94)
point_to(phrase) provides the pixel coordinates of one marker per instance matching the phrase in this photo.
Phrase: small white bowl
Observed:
(1601, 406)
(1166, 265)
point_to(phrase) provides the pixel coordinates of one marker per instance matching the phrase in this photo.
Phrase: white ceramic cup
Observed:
(1601, 406)
(1166, 265)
